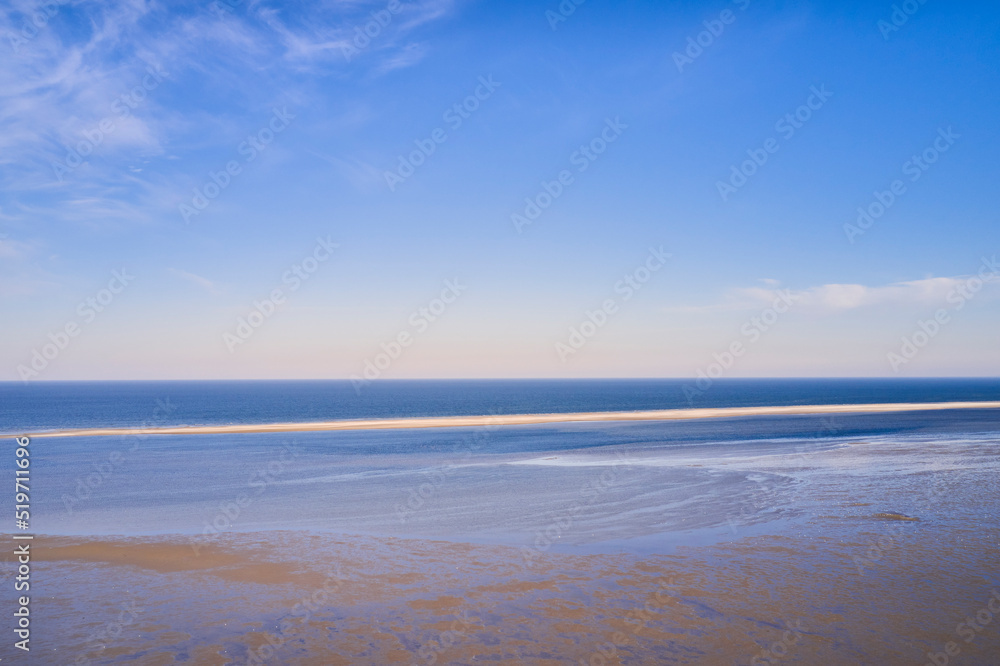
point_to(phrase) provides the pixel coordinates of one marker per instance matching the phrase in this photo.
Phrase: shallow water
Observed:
(581, 483)
(734, 541)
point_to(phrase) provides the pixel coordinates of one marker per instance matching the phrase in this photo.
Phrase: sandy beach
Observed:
(523, 419)
(293, 598)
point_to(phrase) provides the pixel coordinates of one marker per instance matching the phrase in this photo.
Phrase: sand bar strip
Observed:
(521, 419)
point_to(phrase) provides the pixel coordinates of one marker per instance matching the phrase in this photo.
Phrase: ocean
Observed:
(486, 484)
(52, 405)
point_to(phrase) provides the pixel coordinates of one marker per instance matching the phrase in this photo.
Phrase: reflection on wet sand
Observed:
(298, 598)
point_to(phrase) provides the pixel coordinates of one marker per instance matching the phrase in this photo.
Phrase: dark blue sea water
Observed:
(53, 405)
(591, 483)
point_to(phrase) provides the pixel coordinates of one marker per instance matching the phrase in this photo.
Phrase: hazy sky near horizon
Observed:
(506, 189)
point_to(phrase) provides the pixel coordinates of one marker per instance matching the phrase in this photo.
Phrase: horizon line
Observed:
(500, 379)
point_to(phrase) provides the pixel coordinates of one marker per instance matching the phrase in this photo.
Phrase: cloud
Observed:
(22, 271)
(425, 12)
(222, 70)
(409, 56)
(301, 46)
(204, 283)
(57, 90)
(12, 250)
(834, 297)
(363, 176)
(838, 297)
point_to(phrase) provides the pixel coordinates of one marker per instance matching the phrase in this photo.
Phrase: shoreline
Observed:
(415, 422)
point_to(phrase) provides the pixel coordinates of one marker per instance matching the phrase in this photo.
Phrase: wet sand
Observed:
(361, 600)
(524, 419)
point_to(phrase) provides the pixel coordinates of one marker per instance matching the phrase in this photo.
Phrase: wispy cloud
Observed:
(407, 57)
(839, 297)
(85, 70)
(206, 284)
(362, 175)
(12, 250)
(23, 268)
(835, 297)
(420, 13)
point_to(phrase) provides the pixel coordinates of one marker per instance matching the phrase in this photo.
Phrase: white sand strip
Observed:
(522, 419)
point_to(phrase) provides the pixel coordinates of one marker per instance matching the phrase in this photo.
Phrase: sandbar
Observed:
(520, 419)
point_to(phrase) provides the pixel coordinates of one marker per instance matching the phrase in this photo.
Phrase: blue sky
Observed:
(161, 96)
